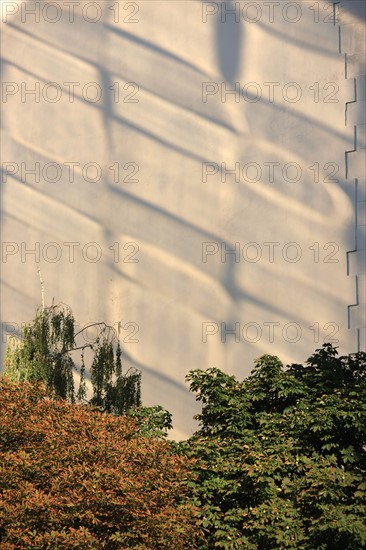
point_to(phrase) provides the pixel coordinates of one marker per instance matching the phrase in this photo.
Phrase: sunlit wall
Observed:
(190, 172)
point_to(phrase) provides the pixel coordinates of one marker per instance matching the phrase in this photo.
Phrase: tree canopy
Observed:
(73, 477)
(47, 351)
(281, 456)
(278, 461)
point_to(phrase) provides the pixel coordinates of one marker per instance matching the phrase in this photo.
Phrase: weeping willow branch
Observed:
(94, 325)
(44, 353)
(76, 349)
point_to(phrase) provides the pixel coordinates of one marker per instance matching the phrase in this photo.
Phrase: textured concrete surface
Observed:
(220, 174)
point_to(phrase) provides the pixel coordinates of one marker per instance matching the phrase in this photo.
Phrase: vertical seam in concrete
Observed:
(350, 38)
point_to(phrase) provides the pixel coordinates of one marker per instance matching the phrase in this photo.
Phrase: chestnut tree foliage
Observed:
(280, 458)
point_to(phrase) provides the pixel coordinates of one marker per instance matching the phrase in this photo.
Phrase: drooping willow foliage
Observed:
(47, 352)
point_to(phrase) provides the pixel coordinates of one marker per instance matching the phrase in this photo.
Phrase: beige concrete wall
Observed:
(261, 172)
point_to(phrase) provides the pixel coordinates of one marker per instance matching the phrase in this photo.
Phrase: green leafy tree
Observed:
(47, 351)
(280, 458)
(153, 421)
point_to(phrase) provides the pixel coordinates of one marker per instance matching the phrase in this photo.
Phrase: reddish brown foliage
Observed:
(71, 477)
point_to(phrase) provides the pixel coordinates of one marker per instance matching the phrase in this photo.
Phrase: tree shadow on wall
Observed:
(229, 43)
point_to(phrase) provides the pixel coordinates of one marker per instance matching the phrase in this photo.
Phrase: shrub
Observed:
(72, 477)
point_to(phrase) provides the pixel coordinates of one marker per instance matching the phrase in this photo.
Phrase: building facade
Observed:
(190, 172)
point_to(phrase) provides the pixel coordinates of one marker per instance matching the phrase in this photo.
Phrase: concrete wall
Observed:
(353, 46)
(238, 132)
